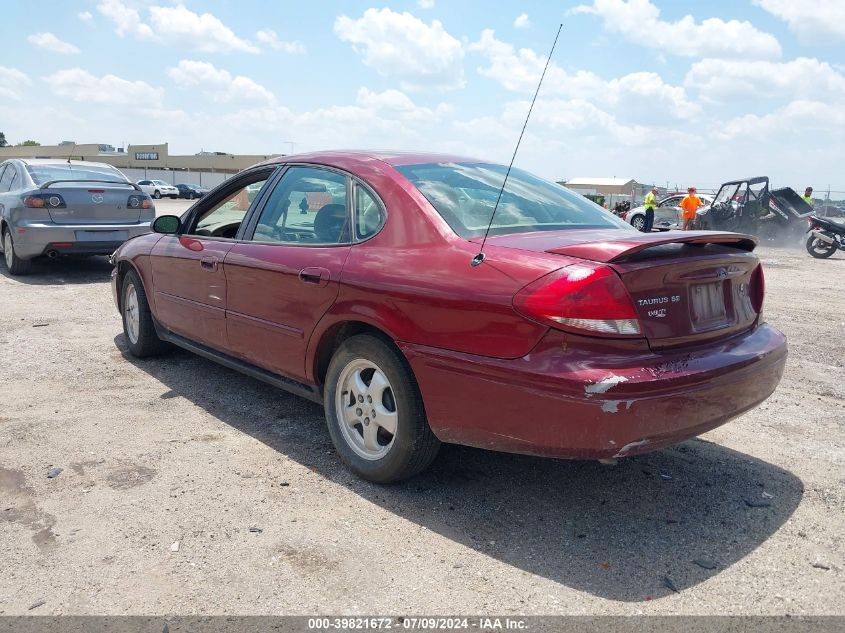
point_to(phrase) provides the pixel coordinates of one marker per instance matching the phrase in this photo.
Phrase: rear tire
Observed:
(375, 413)
(14, 264)
(138, 325)
(157, 194)
(820, 249)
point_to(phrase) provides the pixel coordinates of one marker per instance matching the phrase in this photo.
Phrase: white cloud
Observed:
(402, 45)
(720, 79)
(85, 16)
(217, 83)
(639, 21)
(127, 21)
(425, 4)
(203, 32)
(639, 94)
(802, 119)
(522, 21)
(80, 85)
(269, 38)
(397, 103)
(813, 22)
(12, 81)
(52, 43)
(176, 26)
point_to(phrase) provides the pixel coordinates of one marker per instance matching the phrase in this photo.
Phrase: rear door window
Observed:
(6, 178)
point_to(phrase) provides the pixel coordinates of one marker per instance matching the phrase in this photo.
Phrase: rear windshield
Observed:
(62, 171)
(464, 194)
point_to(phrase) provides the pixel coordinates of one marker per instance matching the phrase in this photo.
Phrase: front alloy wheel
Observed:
(375, 413)
(638, 222)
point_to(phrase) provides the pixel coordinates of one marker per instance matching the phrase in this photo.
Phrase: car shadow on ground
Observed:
(62, 271)
(645, 528)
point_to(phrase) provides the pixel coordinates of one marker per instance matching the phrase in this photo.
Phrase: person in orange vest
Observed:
(689, 205)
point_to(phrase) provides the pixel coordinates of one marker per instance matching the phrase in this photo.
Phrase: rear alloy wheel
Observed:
(638, 222)
(375, 413)
(138, 326)
(157, 194)
(819, 248)
(191, 195)
(14, 264)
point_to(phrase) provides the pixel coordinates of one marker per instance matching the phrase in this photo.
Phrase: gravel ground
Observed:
(188, 488)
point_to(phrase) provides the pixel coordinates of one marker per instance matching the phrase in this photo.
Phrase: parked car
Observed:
(191, 191)
(158, 189)
(59, 207)
(667, 215)
(574, 336)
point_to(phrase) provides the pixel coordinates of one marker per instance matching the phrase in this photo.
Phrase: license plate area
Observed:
(101, 236)
(708, 306)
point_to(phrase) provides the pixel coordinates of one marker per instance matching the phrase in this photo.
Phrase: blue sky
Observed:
(680, 92)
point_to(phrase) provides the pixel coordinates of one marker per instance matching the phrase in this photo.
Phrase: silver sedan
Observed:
(667, 215)
(51, 207)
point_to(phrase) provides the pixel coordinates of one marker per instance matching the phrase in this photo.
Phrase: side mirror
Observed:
(167, 224)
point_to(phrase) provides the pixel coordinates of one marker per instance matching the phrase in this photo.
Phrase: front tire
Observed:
(138, 326)
(157, 194)
(14, 264)
(638, 222)
(375, 413)
(819, 248)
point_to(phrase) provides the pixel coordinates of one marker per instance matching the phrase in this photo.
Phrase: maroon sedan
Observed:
(346, 277)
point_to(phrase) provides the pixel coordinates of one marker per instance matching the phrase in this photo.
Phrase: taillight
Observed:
(139, 202)
(44, 200)
(758, 289)
(587, 298)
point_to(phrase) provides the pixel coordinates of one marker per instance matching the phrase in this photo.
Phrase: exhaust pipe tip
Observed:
(52, 254)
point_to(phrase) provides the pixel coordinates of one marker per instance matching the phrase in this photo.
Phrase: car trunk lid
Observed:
(687, 288)
(91, 202)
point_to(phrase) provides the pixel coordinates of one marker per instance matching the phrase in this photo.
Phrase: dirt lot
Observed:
(188, 488)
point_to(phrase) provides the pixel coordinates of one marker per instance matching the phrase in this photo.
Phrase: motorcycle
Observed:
(826, 237)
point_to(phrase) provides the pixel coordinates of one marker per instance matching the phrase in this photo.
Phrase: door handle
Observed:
(314, 276)
(209, 263)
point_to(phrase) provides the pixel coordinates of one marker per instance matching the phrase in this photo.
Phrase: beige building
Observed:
(155, 157)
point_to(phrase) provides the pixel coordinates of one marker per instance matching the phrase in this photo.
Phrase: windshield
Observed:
(464, 194)
(62, 171)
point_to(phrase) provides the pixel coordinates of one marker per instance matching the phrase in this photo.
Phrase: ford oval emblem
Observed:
(97, 198)
(723, 273)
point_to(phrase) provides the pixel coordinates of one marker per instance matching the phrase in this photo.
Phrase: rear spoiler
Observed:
(50, 183)
(616, 250)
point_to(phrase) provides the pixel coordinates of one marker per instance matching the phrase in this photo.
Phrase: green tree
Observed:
(3, 142)
(28, 144)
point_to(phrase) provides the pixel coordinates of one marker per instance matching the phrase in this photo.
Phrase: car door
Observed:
(189, 279)
(667, 212)
(285, 275)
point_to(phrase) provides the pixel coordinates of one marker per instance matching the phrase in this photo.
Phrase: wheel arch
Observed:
(331, 339)
(123, 267)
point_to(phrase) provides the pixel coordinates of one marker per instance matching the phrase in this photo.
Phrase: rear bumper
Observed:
(586, 400)
(33, 240)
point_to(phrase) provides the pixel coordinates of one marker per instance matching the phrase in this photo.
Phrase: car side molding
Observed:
(277, 380)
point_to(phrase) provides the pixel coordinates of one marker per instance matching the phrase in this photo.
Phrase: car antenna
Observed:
(475, 261)
(69, 156)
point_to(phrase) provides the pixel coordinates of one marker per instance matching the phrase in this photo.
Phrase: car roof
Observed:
(59, 161)
(349, 158)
